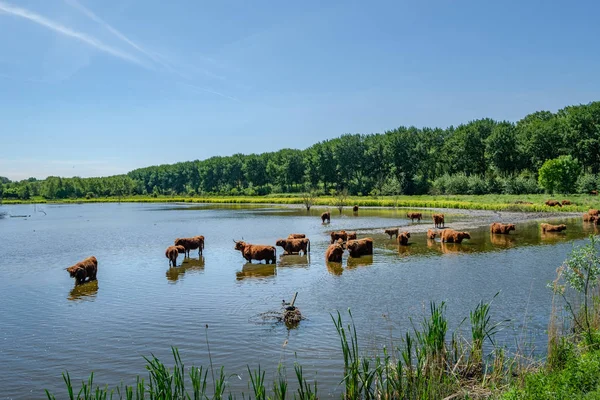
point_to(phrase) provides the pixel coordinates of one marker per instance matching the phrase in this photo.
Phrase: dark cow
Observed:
(350, 235)
(452, 236)
(431, 234)
(403, 238)
(296, 236)
(566, 202)
(171, 253)
(594, 192)
(257, 252)
(291, 246)
(392, 232)
(180, 249)
(497, 227)
(438, 220)
(338, 235)
(553, 228)
(553, 203)
(360, 247)
(413, 216)
(326, 216)
(355, 209)
(334, 253)
(193, 243)
(87, 268)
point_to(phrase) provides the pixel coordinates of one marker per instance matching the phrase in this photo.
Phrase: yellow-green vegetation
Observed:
(498, 202)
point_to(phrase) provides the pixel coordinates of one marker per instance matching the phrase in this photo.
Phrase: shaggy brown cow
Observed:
(431, 234)
(553, 228)
(413, 216)
(257, 252)
(350, 235)
(355, 209)
(566, 202)
(334, 253)
(392, 232)
(291, 246)
(326, 216)
(360, 247)
(594, 193)
(553, 203)
(180, 249)
(296, 236)
(452, 236)
(497, 227)
(193, 243)
(438, 220)
(87, 268)
(403, 238)
(171, 253)
(594, 212)
(338, 235)
(588, 218)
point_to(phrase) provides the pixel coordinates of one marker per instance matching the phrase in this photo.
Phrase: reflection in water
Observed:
(590, 227)
(553, 237)
(294, 260)
(361, 261)
(250, 270)
(188, 265)
(502, 240)
(449, 248)
(432, 244)
(86, 291)
(404, 249)
(334, 268)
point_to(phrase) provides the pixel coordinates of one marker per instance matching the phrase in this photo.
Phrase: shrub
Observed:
(559, 174)
(586, 183)
(477, 185)
(457, 184)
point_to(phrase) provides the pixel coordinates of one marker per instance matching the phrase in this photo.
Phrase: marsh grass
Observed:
(476, 202)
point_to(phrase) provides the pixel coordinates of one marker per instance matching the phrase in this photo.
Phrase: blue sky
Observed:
(99, 87)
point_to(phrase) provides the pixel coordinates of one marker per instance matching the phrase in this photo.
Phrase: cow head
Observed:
(464, 235)
(240, 245)
(561, 227)
(511, 227)
(281, 242)
(407, 234)
(180, 249)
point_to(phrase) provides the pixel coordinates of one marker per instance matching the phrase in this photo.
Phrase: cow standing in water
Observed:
(257, 252)
(326, 216)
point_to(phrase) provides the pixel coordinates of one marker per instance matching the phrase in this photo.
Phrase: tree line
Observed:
(481, 156)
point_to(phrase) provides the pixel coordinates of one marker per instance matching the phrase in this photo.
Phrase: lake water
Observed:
(139, 306)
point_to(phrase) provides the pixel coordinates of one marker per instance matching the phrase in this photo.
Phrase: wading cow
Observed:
(553, 228)
(360, 247)
(257, 252)
(338, 235)
(291, 246)
(193, 243)
(452, 236)
(326, 216)
(392, 232)
(431, 234)
(171, 253)
(438, 220)
(334, 253)
(497, 227)
(403, 238)
(87, 268)
(413, 216)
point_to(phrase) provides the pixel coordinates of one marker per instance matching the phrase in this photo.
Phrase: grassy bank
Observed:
(474, 202)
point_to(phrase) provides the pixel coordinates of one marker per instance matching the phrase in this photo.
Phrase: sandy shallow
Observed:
(471, 219)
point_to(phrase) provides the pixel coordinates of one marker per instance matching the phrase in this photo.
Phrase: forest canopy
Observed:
(481, 156)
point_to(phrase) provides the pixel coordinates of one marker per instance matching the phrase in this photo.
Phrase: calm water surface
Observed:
(140, 306)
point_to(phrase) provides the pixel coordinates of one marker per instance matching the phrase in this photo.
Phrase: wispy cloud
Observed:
(157, 58)
(201, 89)
(59, 28)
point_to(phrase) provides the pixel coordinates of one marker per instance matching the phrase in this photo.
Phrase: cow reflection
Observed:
(250, 270)
(334, 268)
(454, 248)
(502, 240)
(362, 261)
(294, 260)
(404, 250)
(84, 292)
(188, 265)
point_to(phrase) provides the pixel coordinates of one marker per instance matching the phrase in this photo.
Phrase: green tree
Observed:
(501, 149)
(559, 174)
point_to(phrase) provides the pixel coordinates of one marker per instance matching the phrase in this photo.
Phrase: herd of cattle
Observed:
(340, 241)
